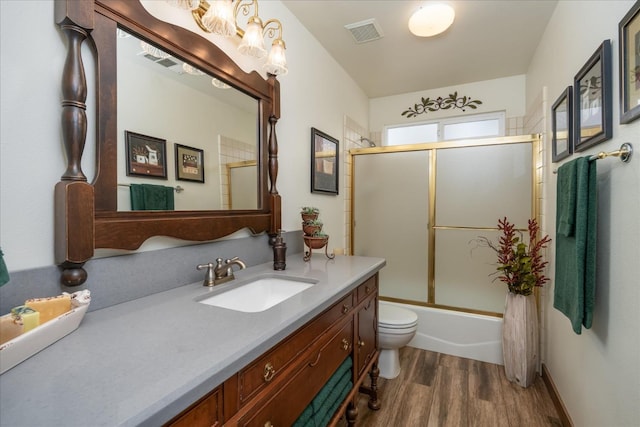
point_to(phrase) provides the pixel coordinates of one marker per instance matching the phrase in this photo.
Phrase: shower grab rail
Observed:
(625, 152)
(177, 187)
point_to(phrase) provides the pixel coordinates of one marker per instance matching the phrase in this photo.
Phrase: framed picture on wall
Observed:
(146, 155)
(561, 126)
(189, 163)
(629, 31)
(592, 100)
(324, 163)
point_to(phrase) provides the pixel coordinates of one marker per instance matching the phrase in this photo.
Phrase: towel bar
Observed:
(177, 187)
(625, 152)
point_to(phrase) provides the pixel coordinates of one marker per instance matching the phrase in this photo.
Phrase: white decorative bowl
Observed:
(26, 345)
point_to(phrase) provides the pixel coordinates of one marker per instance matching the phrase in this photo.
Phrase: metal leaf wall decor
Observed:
(452, 101)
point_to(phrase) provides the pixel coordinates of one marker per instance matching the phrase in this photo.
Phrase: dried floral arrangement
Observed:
(520, 266)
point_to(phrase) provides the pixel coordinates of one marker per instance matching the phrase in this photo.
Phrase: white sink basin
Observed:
(258, 295)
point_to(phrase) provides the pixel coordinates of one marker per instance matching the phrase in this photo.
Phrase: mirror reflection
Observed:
(242, 192)
(203, 125)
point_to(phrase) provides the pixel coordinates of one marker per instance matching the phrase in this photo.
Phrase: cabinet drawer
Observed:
(369, 287)
(317, 367)
(264, 370)
(205, 413)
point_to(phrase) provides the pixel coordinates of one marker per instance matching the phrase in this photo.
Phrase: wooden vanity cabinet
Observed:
(275, 388)
(367, 316)
(207, 412)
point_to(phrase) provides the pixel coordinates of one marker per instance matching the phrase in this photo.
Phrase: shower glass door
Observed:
(476, 186)
(391, 211)
(421, 208)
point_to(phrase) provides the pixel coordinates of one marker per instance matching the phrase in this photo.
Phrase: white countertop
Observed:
(146, 360)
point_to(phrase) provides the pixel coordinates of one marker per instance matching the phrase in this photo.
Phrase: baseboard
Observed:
(555, 397)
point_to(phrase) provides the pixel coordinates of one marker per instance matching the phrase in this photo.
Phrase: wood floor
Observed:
(436, 389)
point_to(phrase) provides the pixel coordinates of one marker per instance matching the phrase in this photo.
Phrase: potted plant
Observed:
(317, 240)
(311, 227)
(309, 213)
(521, 267)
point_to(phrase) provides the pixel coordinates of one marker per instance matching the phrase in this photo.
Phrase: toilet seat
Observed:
(392, 317)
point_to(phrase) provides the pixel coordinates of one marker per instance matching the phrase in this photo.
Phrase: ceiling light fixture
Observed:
(190, 69)
(221, 17)
(431, 19)
(153, 51)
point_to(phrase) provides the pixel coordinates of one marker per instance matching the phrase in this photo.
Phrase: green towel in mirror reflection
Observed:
(147, 197)
(4, 273)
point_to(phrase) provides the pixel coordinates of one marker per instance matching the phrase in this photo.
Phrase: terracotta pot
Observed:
(315, 242)
(520, 339)
(309, 217)
(310, 230)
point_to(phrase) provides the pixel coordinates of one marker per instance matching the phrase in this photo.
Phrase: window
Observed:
(473, 126)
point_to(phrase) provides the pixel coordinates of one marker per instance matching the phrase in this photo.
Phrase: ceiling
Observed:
(488, 39)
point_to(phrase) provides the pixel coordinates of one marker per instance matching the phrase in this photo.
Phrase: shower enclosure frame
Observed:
(432, 148)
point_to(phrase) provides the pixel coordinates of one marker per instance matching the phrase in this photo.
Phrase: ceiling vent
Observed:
(169, 63)
(365, 31)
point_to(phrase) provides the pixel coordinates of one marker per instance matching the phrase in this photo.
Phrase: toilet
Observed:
(396, 327)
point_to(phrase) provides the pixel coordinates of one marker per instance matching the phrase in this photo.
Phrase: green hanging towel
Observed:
(4, 273)
(147, 197)
(576, 229)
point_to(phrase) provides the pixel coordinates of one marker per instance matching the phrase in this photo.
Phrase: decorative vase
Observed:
(520, 339)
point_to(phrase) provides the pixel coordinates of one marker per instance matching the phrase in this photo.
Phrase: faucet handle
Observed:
(209, 275)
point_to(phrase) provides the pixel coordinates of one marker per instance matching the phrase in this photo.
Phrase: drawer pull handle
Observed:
(315, 362)
(361, 343)
(367, 289)
(268, 424)
(345, 344)
(345, 309)
(269, 372)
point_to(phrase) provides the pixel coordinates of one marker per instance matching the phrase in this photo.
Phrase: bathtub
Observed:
(473, 336)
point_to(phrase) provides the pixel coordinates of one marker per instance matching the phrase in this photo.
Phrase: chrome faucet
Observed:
(220, 273)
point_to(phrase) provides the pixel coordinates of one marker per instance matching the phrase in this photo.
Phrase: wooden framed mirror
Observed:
(90, 216)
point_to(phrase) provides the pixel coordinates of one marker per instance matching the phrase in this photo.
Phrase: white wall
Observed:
(316, 92)
(598, 372)
(31, 155)
(504, 94)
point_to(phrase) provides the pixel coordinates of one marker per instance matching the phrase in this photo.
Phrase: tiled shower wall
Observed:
(231, 151)
(514, 126)
(535, 121)
(351, 136)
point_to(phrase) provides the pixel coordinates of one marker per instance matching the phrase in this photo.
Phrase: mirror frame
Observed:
(86, 216)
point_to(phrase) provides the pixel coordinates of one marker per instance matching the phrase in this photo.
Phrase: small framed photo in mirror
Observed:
(592, 100)
(324, 163)
(629, 29)
(189, 163)
(561, 126)
(146, 155)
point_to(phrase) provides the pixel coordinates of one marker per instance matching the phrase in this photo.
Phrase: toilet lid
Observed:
(391, 316)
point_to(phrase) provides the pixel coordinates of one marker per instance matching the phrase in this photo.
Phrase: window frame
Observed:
(442, 122)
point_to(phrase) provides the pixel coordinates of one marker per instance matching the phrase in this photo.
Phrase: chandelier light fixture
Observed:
(221, 17)
(431, 19)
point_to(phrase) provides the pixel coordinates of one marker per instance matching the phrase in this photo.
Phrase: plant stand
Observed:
(520, 339)
(316, 243)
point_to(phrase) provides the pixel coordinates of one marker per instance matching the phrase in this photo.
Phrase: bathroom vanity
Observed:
(170, 359)
(275, 388)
